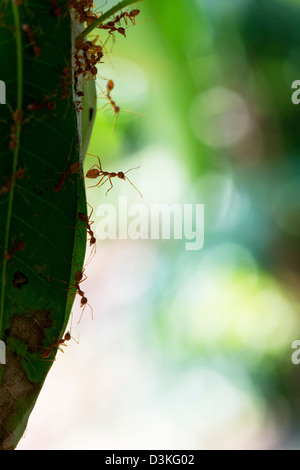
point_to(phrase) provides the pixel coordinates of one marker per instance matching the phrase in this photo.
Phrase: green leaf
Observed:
(89, 109)
(42, 244)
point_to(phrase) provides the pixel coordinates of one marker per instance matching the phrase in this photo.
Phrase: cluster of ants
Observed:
(84, 12)
(88, 54)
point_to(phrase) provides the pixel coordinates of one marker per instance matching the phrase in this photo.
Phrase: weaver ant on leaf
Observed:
(79, 278)
(86, 220)
(57, 344)
(36, 49)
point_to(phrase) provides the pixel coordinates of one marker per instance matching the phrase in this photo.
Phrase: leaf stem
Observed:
(106, 16)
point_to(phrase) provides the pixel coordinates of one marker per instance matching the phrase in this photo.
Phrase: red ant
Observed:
(83, 8)
(64, 82)
(116, 109)
(6, 187)
(73, 170)
(86, 220)
(56, 10)
(18, 176)
(97, 172)
(84, 301)
(110, 26)
(87, 55)
(61, 342)
(20, 246)
(79, 278)
(131, 15)
(109, 87)
(36, 49)
(17, 118)
(48, 105)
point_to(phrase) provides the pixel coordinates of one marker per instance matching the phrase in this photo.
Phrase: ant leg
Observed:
(132, 169)
(92, 254)
(83, 311)
(82, 280)
(94, 186)
(111, 186)
(134, 186)
(95, 165)
(88, 221)
(49, 360)
(99, 161)
(104, 106)
(100, 166)
(102, 182)
(115, 121)
(90, 213)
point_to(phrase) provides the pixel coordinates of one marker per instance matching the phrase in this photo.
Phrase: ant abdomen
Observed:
(93, 173)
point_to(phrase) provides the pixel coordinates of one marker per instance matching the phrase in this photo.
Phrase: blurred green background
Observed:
(194, 348)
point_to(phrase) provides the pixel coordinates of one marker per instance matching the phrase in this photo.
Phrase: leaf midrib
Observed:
(18, 38)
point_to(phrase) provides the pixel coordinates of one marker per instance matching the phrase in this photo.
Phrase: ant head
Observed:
(121, 175)
(83, 301)
(92, 241)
